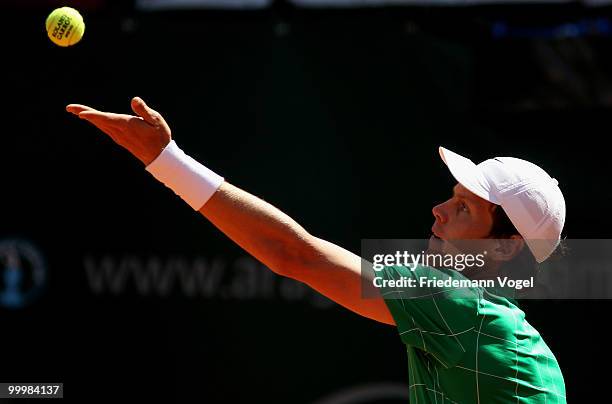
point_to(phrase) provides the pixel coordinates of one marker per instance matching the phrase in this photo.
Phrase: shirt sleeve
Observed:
(437, 320)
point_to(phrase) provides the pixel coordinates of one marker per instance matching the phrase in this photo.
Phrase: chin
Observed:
(435, 245)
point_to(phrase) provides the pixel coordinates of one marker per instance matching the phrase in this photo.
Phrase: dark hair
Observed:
(502, 225)
(504, 228)
(524, 263)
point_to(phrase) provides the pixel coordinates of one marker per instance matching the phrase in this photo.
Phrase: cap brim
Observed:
(467, 174)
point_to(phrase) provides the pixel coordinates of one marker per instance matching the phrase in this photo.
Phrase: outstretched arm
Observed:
(287, 249)
(258, 227)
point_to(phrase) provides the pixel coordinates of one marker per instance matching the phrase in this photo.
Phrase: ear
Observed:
(507, 248)
(493, 207)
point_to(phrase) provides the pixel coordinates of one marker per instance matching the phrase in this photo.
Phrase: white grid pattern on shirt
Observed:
(516, 349)
(437, 333)
(505, 378)
(433, 391)
(479, 332)
(410, 362)
(477, 351)
(420, 332)
(447, 326)
(537, 365)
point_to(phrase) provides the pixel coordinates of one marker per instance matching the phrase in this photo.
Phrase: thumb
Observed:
(141, 109)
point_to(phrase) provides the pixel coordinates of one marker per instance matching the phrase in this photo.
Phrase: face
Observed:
(465, 216)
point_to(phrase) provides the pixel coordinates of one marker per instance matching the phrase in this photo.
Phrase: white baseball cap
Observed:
(530, 197)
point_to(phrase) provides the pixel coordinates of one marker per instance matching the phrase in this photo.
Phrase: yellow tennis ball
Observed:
(65, 26)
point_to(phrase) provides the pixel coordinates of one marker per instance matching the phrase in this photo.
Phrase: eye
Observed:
(463, 207)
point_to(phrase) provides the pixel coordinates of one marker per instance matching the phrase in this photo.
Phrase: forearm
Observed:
(259, 228)
(287, 249)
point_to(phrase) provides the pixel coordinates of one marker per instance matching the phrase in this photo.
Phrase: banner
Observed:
(191, 4)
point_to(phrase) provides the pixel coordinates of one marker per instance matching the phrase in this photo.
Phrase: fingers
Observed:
(77, 108)
(141, 109)
(94, 116)
(105, 118)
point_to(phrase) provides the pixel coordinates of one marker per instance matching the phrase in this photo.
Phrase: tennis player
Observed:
(477, 350)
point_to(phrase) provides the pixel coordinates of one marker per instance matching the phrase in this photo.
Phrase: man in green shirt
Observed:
(461, 349)
(475, 348)
(471, 345)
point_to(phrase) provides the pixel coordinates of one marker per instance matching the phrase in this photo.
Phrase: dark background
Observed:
(334, 116)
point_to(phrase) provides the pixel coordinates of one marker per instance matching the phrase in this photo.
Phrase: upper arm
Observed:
(336, 273)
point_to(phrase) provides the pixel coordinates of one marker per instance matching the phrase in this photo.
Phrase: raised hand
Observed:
(144, 135)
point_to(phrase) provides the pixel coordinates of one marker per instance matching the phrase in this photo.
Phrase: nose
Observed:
(439, 214)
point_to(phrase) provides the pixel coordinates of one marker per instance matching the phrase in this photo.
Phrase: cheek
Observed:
(469, 227)
(481, 228)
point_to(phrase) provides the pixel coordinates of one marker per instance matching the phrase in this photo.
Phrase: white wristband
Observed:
(190, 180)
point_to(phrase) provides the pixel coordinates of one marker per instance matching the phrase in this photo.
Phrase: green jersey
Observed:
(468, 345)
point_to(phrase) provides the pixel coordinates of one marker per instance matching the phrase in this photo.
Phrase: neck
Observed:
(489, 272)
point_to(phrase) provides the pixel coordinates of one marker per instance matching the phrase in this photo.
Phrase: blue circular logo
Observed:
(22, 273)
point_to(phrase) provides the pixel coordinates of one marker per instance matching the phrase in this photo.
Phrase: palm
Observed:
(144, 135)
